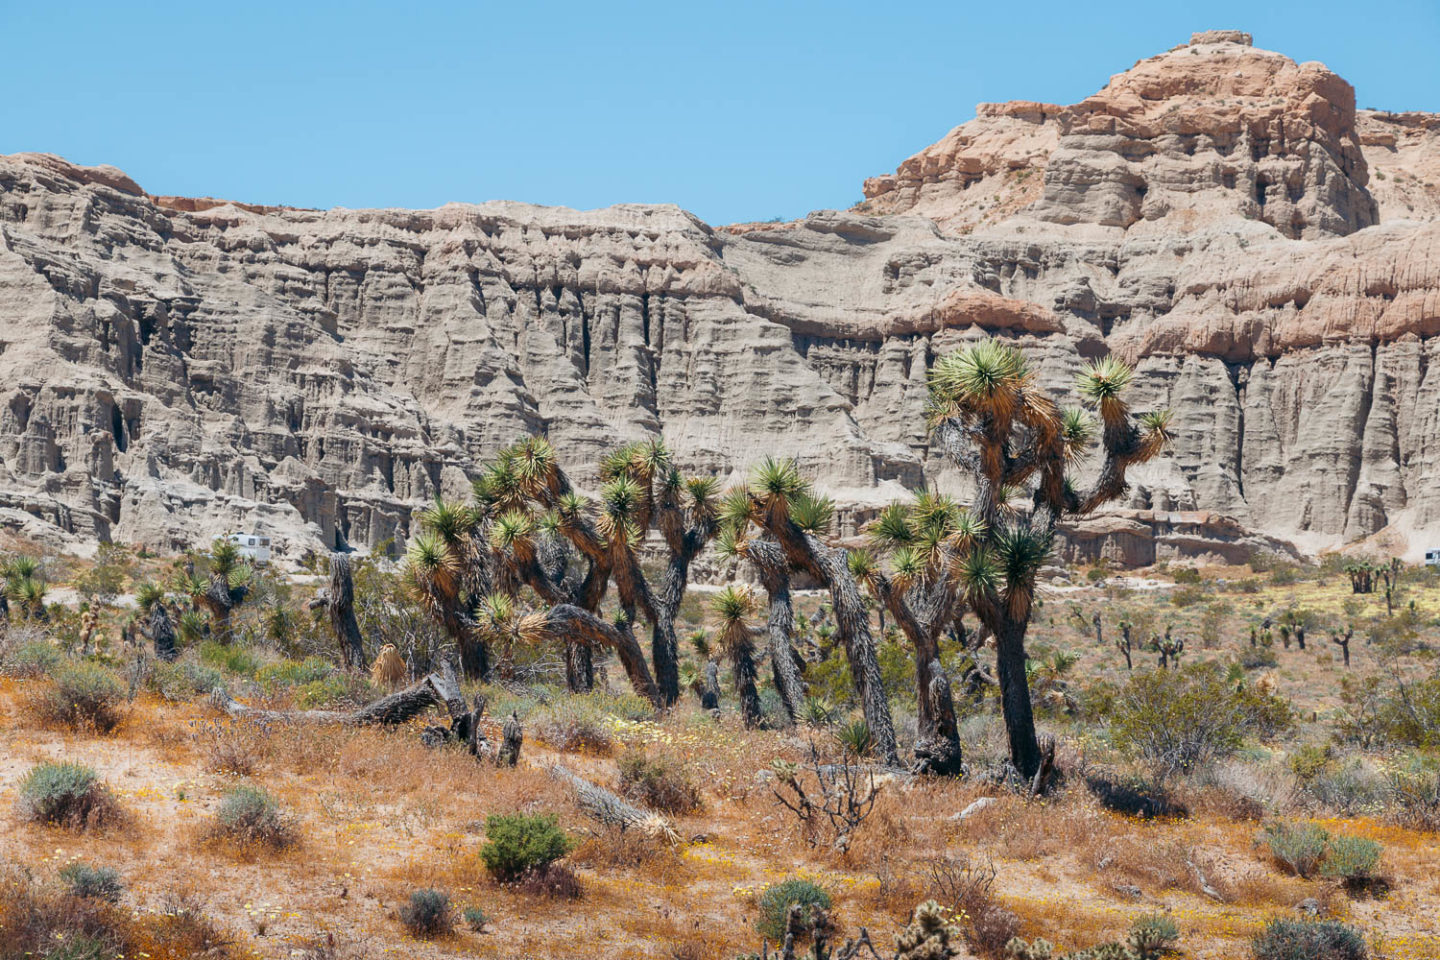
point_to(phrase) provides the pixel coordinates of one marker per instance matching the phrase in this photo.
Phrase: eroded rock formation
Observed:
(174, 368)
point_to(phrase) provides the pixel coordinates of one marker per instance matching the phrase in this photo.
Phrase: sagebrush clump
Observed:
(99, 883)
(1309, 940)
(67, 795)
(84, 696)
(428, 915)
(249, 815)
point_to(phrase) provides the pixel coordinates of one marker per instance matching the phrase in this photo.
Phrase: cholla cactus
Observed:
(929, 936)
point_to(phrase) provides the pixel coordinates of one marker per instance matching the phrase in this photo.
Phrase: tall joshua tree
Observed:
(990, 418)
(226, 586)
(781, 503)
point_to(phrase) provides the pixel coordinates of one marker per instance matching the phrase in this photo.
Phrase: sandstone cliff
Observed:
(174, 368)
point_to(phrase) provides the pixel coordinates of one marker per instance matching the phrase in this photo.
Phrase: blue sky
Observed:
(735, 110)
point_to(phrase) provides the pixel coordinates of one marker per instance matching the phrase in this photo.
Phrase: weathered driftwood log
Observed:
(389, 710)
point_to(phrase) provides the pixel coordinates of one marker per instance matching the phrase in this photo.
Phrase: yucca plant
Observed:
(854, 737)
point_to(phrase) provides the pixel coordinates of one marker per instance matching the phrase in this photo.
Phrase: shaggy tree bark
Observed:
(339, 603)
(569, 622)
(785, 662)
(829, 565)
(161, 633)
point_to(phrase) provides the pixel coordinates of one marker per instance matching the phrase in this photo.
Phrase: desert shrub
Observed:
(1179, 720)
(230, 657)
(292, 673)
(1152, 935)
(66, 794)
(1188, 596)
(1351, 859)
(1300, 847)
(1379, 712)
(84, 696)
(518, 843)
(475, 919)
(1186, 575)
(967, 890)
(428, 914)
(1309, 940)
(250, 815)
(1348, 789)
(1284, 574)
(29, 657)
(1413, 792)
(657, 780)
(185, 679)
(98, 883)
(229, 747)
(574, 725)
(323, 692)
(775, 902)
(816, 712)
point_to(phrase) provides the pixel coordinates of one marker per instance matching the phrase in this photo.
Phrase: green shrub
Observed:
(1298, 846)
(1187, 576)
(518, 843)
(96, 883)
(185, 680)
(249, 815)
(854, 737)
(476, 919)
(32, 658)
(66, 794)
(1188, 596)
(1309, 940)
(85, 696)
(775, 904)
(1179, 720)
(230, 657)
(428, 914)
(292, 673)
(319, 693)
(1351, 858)
(657, 780)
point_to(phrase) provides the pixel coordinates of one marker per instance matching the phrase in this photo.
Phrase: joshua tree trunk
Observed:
(742, 665)
(1025, 753)
(161, 633)
(828, 565)
(785, 664)
(710, 689)
(1342, 640)
(339, 602)
(571, 623)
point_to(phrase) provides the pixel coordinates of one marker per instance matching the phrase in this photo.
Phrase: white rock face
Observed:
(173, 368)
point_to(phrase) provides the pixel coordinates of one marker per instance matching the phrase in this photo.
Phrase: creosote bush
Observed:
(1307, 849)
(658, 781)
(775, 904)
(428, 914)
(1309, 940)
(517, 844)
(84, 696)
(250, 815)
(99, 883)
(475, 919)
(68, 795)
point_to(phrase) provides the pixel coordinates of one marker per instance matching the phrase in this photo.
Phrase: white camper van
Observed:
(1432, 558)
(253, 546)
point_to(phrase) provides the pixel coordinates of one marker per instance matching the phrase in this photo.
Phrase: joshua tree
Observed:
(1342, 640)
(1391, 575)
(990, 419)
(923, 541)
(1099, 631)
(224, 588)
(1362, 575)
(156, 626)
(781, 503)
(1123, 643)
(1169, 648)
(786, 665)
(24, 588)
(442, 571)
(733, 605)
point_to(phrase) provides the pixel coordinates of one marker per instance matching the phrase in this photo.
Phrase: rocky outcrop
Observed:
(175, 368)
